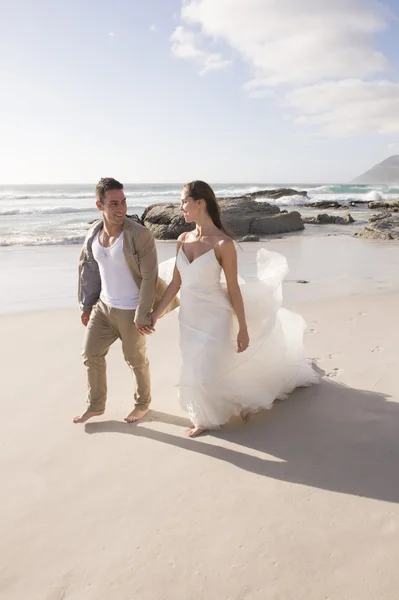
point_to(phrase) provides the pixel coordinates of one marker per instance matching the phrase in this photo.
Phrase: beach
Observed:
(301, 503)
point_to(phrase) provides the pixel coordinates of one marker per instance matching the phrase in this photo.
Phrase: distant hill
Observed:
(386, 172)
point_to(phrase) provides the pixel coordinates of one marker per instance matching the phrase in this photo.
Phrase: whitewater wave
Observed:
(57, 210)
(62, 240)
(84, 196)
(296, 200)
(53, 196)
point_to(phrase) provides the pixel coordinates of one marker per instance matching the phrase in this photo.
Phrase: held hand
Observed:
(148, 329)
(242, 340)
(144, 329)
(85, 316)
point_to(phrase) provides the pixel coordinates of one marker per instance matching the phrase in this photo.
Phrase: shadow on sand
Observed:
(329, 436)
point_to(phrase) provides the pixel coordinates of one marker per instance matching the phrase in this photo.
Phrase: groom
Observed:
(118, 287)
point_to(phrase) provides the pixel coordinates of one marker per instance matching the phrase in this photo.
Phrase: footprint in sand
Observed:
(377, 349)
(334, 373)
(332, 356)
(361, 314)
(311, 331)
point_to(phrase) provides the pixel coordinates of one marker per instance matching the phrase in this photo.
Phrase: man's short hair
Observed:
(104, 185)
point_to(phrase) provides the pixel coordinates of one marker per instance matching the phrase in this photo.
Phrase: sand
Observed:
(301, 503)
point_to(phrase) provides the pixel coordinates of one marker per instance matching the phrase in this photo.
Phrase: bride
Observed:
(240, 349)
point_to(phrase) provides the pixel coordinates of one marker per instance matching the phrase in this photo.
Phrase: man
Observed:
(118, 286)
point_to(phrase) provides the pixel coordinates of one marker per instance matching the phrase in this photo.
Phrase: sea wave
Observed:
(54, 210)
(49, 196)
(57, 210)
(85, 196)
(296, 200)
(21, 240)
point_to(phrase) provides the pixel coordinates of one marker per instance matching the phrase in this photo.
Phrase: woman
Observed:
(235, 360)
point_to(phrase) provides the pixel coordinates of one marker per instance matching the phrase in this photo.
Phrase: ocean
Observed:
(43, 215)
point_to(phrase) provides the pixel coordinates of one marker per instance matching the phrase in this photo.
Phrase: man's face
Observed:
(114, 208)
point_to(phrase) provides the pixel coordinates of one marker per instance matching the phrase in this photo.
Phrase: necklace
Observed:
(105, 254)
(112, 240)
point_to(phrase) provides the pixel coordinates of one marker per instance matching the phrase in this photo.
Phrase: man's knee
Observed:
(137, 361)
(91, 356)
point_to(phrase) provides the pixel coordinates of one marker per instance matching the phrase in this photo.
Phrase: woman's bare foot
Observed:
(195, 431)
(247, 415)
(89, 414)
(136, 415)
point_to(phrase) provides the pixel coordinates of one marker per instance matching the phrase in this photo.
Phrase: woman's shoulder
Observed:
(182, 237)
(224, 242)
(224, 248)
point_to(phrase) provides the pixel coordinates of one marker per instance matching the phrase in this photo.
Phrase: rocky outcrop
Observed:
(166, 221)
(239, 214)
(272, 194)
(242, 216)
(323, 204)
(392, 205)
(324, 219)
(280, 223)
(384, 226)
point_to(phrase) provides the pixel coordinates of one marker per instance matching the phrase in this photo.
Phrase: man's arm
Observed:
(89, 282)
(148, 263)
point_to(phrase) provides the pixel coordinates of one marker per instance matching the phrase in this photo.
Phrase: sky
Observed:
(253, 91)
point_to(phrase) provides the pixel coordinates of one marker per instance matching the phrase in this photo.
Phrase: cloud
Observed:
(318, 56)
(153, 28)
(348, 107)
(287, 41)
(111, 34)
(185, 45)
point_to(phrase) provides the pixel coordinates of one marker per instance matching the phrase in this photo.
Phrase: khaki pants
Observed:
(106, 325)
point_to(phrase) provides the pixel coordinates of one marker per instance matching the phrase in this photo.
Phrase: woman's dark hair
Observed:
(199, 190)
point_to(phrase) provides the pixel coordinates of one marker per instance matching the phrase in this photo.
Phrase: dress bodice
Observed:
(204, 271)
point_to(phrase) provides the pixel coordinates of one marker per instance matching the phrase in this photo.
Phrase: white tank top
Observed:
(118, 288)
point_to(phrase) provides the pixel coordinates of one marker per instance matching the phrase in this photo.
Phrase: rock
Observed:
(165, 221)
(391, 205)
(242, 216)
(334, 204)
(240, 213)
(325, 204)
(302, 281)
(135, 218)
(279, 223)
(249, 238)
(324, 219)
(274, 194)
(384, 226)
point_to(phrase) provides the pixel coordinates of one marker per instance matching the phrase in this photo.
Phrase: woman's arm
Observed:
(228, 259)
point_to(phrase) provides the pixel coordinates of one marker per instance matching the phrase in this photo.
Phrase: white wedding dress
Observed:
(215, 381)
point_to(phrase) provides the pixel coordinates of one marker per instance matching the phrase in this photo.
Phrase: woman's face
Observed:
(190, 208)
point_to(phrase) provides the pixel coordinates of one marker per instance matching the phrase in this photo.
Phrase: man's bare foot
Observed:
(195, 431)
(89, 414)
(136, 415)
(247, 415)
